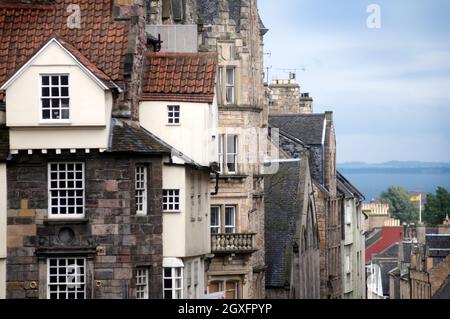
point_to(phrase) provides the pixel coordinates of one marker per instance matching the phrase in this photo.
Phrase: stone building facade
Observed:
(353, 244)
(112, 242)
(4, 152)
(291, 230)
(84, 214)
(317, 132)
(233, 30)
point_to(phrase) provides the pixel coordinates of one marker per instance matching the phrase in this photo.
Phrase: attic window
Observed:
(55, 97)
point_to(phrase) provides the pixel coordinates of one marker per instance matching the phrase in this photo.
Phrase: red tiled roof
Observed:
(389, 236)
(189, 77)
(101, 43)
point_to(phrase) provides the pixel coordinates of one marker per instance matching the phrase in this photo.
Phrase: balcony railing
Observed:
(233, 243)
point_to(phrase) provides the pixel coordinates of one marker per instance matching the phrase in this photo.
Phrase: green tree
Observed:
(400, 204)
(437, 207)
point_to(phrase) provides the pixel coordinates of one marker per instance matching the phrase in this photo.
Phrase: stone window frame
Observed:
(141, 192)
(222, 83)
(66, 216)
(60, 97)
(58, 284)
(142, 283)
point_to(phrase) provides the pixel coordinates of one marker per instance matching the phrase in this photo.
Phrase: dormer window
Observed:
(55, 97)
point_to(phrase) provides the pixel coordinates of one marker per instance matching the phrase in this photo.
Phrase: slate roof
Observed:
(4, 143)
(134, 139)
(444, 291)
(386, 266)
(438, 245)
(347, 188)
(281, 214)
(307, 127)
(180, 77)
(27, 25)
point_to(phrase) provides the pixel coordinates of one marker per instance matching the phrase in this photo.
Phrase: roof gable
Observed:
(27, 27)
(189, 77)
(98, 76)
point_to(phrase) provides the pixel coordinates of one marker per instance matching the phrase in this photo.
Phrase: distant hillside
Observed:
(395, 167)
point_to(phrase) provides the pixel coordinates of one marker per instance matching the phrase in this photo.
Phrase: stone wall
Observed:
(286, 98)
(113, 239)
(134, 12)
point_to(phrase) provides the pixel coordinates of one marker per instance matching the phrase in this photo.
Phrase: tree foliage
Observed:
(437, 207)
(401, 207)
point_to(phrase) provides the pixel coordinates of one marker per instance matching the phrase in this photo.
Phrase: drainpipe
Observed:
(215, 169)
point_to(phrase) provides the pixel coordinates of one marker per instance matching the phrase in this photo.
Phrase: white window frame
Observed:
(174, 194)
(174, 277)
(174, 115)
(141, 189)
(230, 85)
(50, 97)
(72, 280)
(225, 155)
(221, 153)
(234, 155)
(233, 225)
(219, 218)
(66, 189)
(142, 283)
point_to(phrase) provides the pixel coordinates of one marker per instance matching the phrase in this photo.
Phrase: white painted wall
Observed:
(90, 107)
(194, 278)
(194, 135)
(3, 200)
(198, 231)
(174, 226)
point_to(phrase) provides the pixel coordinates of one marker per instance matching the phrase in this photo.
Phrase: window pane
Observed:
(45, 91)
(230, 219)
(232, 144)
(230, 76)
(64, 80)
(66, 278)
(45, 80)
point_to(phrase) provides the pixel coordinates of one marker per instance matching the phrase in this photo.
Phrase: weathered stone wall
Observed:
(114, 240)
(134, 12)
(321, 200)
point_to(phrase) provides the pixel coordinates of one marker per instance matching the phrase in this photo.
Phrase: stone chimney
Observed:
(287, 99)
(134, 12)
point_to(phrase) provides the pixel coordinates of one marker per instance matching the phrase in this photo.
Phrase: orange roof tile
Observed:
(100, 43)
(180, 77)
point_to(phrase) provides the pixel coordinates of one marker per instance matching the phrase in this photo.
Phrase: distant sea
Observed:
(372, 180)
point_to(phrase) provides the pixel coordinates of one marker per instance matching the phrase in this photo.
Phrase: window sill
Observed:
(53, 222)
(176, 125)
(170, 212)
(232, 176)
(56, 123)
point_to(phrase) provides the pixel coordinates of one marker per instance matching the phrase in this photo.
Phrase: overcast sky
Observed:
(389, 87)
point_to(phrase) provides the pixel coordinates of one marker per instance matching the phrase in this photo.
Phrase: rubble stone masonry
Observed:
(112, 238)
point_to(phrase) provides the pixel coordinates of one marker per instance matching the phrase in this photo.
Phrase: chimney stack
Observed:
(134, 13)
